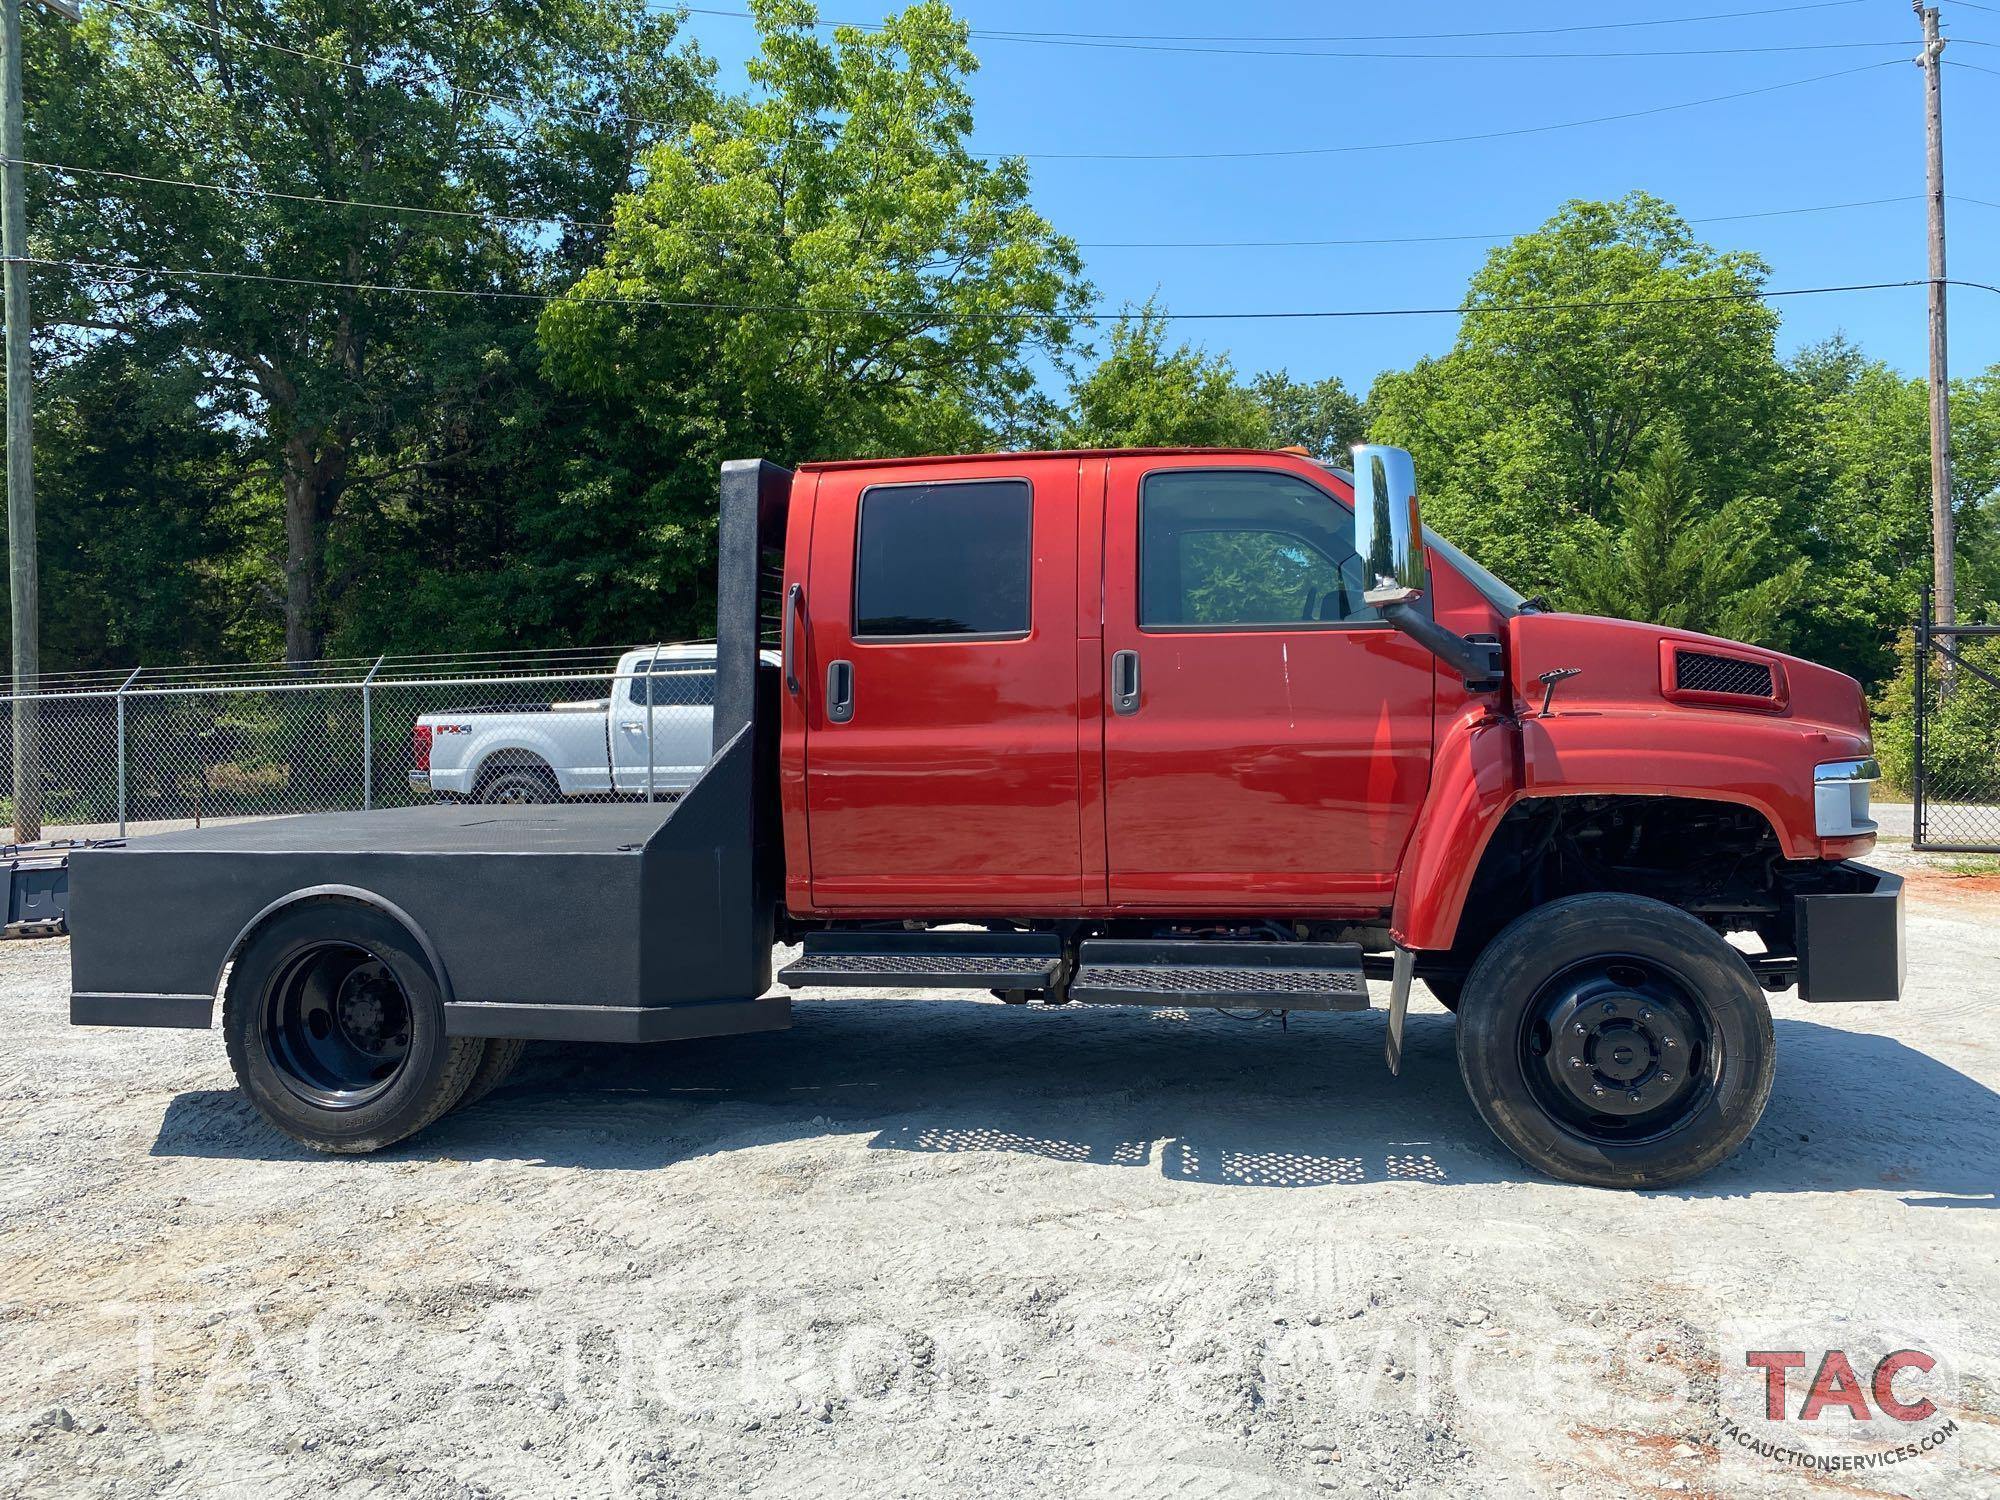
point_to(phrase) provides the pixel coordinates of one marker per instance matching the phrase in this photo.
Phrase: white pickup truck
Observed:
(662, 699)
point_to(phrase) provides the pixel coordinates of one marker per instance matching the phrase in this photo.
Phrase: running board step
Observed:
(927, 960)
(1276, 976)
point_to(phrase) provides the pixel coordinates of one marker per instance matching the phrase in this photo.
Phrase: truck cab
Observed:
(1153, 727)
(1151, 682)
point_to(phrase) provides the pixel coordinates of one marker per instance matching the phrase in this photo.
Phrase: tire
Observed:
(501, 1055)
(1568, 1046)
(520, 784)
(335, 1029)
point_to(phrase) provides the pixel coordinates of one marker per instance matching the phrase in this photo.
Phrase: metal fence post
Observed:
(652, 687)
(123, 689)
(368, 736)
(1921, 711)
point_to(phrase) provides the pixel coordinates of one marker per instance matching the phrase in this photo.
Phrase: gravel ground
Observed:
(917, 1247)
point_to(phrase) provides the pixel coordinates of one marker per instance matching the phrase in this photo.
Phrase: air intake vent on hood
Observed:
(1705, 672)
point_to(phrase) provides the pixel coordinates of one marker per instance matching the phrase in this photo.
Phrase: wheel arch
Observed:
(513, 755)
(1456, 857)
(331, 894)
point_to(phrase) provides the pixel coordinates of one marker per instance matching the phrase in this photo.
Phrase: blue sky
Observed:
(1833, 142)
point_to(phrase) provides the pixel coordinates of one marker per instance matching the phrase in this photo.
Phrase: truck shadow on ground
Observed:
(1196, 1098)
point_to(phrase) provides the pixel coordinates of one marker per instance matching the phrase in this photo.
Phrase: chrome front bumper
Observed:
(1840, 797)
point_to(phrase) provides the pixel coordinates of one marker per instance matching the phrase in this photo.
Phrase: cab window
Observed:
(943, 560)
(673, 685)
(1222, 549)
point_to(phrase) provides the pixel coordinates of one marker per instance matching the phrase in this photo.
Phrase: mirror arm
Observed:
(1477, 661)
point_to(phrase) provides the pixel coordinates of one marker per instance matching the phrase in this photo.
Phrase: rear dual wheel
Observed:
(335, 1028)
(1615, 1041)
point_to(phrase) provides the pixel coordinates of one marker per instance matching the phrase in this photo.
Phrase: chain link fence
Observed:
(111, 752)
(1957, 751)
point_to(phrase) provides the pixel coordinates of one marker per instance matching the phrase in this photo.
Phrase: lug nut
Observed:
(1666, 1041)
(1597, 1089)
(1666, 1078)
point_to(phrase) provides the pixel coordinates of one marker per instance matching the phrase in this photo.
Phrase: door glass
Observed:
(943, 560)
(1222, 549)
(675, 686)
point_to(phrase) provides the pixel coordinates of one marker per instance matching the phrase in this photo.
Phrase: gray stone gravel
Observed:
(921, 1247)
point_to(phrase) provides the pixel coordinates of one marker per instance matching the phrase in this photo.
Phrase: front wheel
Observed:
(1615, 1041)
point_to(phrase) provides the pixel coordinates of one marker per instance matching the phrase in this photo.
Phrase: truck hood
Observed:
(1625, 666)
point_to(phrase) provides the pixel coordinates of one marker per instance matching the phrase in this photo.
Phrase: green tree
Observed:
(1523, 430)
(472, 107)
(1321, 416)
(852, 279)
(1143, 394)
(1669, 557)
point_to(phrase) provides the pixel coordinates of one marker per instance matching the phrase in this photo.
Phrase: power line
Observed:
(1302, 151)
(989, 315)
(1417, 36)
(322, 201)
(1216, 46)
(1952, 62)
(1446, 140)
(1442, 239)
(1171, 48)
(316, 200)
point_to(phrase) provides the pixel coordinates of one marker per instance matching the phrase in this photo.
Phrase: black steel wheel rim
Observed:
(336, 1025)
(1620, 1050)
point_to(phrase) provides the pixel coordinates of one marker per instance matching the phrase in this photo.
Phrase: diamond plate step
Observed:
(926, 960)
(1280, 976)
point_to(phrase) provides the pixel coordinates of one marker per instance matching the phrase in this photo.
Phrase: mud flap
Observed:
(1399, 1006)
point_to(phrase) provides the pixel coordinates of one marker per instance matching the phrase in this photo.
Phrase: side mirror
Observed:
(1389, 538)
(1388, 531)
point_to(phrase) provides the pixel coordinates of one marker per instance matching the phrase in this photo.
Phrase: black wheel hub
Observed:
(336, 1026)
(1618, 1050)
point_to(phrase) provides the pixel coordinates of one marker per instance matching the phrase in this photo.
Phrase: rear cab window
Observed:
(944, 561)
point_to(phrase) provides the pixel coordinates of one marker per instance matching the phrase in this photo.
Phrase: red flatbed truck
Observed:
(1159, 727)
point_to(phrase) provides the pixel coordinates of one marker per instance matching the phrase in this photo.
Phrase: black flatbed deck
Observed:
(584, 828)
(595, 921)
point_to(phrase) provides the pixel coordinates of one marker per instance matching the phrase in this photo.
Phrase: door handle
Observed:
(1125, 682)
(794, 597)
(632, 724)
(840, 692)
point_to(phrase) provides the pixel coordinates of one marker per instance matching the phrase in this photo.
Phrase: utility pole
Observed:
(23, 572)
(23, 588)
(1943, 565)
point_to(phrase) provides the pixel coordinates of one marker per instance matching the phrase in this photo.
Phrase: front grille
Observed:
(1705, 672)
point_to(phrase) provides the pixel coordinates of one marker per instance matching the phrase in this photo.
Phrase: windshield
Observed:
(1499, 593)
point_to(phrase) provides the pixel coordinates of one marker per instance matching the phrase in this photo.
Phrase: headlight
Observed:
(1840, 797)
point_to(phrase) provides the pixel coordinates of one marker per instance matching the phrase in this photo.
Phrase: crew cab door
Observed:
(1267, 738)
(662, 703)
(939, 688)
